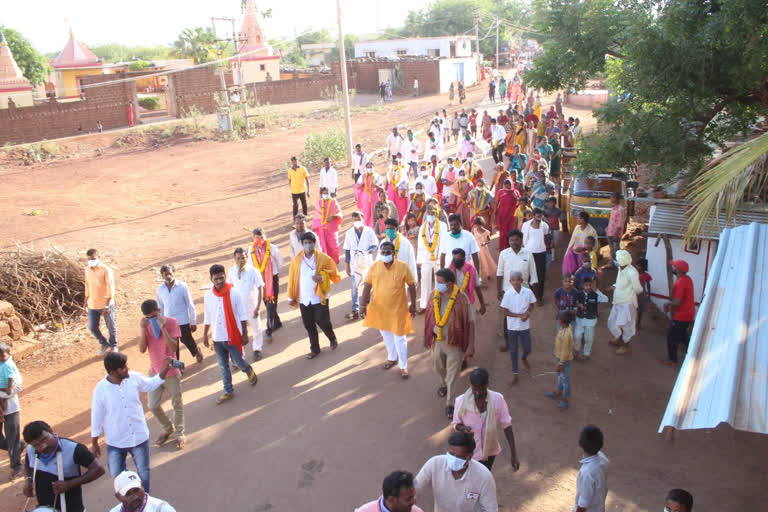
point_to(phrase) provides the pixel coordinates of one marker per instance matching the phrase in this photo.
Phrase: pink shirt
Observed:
(477, 424)
(616, 222)
(158, 349)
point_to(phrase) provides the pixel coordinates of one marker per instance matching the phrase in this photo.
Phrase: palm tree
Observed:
(195, 43)
(738, 177)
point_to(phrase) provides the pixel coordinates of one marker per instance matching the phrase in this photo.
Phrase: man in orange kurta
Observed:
(388, 311)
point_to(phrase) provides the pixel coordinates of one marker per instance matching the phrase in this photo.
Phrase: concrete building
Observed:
(260, 64)
(316, 54)
(13, 85)
(440, 47)
(72, 63)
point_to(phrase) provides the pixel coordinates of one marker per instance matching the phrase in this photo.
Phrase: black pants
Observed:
(11, 441)
(188, 340)
(677, 334)
(273, 320)
(488, 462)
(314, 315)
(540, 259)
(355, 175)
(498, 153)
(299, 197)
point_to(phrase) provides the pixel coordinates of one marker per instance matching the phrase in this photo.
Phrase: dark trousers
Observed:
(540, 259)
(11, 441)
(498, 153)
(299, 197)
(355, 175)
(677, 334)
(273, 320)
(188, 340)
(312, 316)
(488, 462)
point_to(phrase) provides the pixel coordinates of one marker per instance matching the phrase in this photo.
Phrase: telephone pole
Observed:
(497, 43)
(221, 77)
(243, 92)
(477, 31)
(344, 85)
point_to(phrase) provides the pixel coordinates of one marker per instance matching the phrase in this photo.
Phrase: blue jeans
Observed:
(525, 341)
(353, 290)
(564, 380)
(94, 317)
(225, 351)
(140, 455)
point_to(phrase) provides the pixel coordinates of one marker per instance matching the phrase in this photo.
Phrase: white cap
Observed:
(126, 481)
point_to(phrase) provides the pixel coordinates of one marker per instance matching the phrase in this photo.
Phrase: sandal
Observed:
(181, 444)
(388, 365)
(404, 374)
(164, 437)
(312, 355)
(442, 391)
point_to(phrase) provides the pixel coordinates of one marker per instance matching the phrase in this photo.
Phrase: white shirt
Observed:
(247, 284)
(359, 161)
(518, 302)
(466, 241)
(213, 307)
(415, 83)
(533, 238)
(117, 411)
(591, 484)
(424, 256)
(434, 148)
(407, 147)
(307, 285)
(295, 241)
(475, 491)
(12, 403)
(274, 255)
(498, 134)
(511, 261)
(329, 179)
(357, 246)
(404, 253)
(394, 142)
(153, 505)
(429, 184)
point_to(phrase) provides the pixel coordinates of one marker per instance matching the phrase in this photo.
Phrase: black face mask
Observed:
(458, 263)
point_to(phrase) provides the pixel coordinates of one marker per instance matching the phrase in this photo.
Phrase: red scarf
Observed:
(233, 333)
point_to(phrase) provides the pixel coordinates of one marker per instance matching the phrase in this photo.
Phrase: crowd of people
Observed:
(419, 244)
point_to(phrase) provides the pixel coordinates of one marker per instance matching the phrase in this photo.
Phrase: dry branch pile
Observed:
(43, 286)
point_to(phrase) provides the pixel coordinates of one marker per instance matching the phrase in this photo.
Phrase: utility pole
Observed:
(243, 91)
(344, 85)
(497, 43)
(221, 77)
(478, 59)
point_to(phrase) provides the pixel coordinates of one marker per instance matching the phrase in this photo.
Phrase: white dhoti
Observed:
(254, 324)
(397, 348)
(622, 321)
(427, 283)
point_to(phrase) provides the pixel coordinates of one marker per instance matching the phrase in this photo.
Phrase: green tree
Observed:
(33, 65)
(289, 51)
(687, 76)
(139, 65)
(197, 44)
(315, 36)
(115, 52)
(349, 48)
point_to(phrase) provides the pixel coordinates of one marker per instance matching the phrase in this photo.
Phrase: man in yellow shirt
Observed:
(298, 178)
(389, 311)
(100, 301)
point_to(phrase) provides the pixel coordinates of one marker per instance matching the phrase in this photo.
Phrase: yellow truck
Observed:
(592, 194)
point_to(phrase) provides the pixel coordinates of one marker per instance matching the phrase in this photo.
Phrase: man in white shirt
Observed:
(403, 248)
(498, 136)
(226, 320)
(269, 267)
(175, 301)
(459, 483)
(458, 238)
(394, 142)
(132, 497)
(294, 237)
(517, 305)
(432, 231)
(329, 178)
(514, 258)
(415, 87)
(534, 232)
(360, 244)
(249, 284)
(117, 411)
(427, 182)
(411, 148)
(359, 160)
(434, 145)
(591, 483)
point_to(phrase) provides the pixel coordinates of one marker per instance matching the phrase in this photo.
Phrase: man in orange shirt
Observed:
(100, 301)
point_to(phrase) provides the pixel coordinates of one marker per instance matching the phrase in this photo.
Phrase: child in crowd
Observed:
(591, 484)
(645, 282)
(411, 230)
(552, 215)
(8, 371)
(590, 247)
(679, 500)
(564, 355)
(520, 212)
(379, 225)
(585, 271)
(565, 296)
(487, 264)
(586, 318)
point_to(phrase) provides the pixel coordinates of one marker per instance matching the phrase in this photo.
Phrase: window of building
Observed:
(402, 52)
(370, 55)
(262, 67)
(433, 52)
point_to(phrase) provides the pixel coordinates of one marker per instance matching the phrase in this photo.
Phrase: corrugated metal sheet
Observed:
(724, 377)
(671, 219)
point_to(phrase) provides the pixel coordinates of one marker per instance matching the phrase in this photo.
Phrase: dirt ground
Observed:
(320, 435)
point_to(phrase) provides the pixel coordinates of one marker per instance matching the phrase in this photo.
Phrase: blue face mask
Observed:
(156, 330)
(47, 457)
(442, 287)
(456, 235)
(391, 233)
(386, 258)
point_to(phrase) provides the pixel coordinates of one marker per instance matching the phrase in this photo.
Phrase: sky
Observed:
(158, 22)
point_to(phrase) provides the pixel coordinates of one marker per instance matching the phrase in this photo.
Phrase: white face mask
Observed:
(469, 159)
(455, 463)
(424, 176)
(430, 218)
(326, 196)
(386, 258)
(309, 247)
(442, 288)
(369, 170)
(93, 263)
(358, 224)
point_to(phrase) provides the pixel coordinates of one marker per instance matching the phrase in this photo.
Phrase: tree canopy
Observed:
(116, 52)
(687, 76)
(197, 44)
(32, 63)
(322, 35)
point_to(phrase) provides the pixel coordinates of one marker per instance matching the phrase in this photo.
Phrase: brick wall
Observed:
(108, 104)
(364, 74)
(299, 89)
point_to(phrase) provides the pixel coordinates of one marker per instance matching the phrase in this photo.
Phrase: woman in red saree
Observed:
(364, 193)
(486, 126)
(462, 190)
(326, 224)
(506, 204)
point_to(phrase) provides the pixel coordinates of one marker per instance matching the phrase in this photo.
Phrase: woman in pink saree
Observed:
(326, 224)
(486, 126)
(364, 194)
(506, 204)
